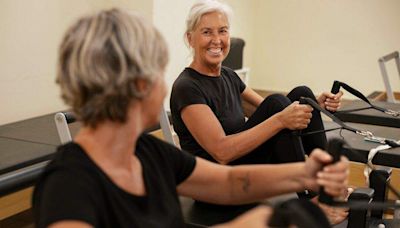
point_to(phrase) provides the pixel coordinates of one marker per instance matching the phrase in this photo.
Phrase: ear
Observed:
(142, 85)
(189, 38)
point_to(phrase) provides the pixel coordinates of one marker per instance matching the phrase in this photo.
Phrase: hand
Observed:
(335, 215)
(330, 101)
(333, 177)
(257, 217)
(295, 116)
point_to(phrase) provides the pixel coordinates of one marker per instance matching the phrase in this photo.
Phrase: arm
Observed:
(252, 99)
(249, 183)
(70, 224)
(208, 132)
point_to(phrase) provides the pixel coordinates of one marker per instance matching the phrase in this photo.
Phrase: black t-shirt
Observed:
(221, 94)
(73, 187)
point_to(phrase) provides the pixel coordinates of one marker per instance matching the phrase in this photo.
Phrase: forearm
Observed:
(234, 146)
(250, 183)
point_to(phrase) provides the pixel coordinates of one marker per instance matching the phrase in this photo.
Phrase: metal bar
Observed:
(382, 60)
(166, 127)
(20, 179)
(62, 127)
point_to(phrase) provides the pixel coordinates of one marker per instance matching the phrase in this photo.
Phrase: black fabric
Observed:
(193, 88)
(285, 146)
(221, 94)
(74, 187)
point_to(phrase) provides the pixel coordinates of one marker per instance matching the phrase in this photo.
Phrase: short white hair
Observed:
(202, 7)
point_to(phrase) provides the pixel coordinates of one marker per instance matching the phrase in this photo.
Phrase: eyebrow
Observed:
(208, 28)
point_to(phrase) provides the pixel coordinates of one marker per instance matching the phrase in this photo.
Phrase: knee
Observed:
(276, 102)
(303, 91)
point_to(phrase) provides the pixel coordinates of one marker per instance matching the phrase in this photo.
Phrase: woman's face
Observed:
(210, 39)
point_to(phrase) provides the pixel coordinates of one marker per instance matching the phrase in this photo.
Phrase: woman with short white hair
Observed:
(206, 100)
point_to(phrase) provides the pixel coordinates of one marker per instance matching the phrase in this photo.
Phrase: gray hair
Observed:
(202, 7)
(101, 58)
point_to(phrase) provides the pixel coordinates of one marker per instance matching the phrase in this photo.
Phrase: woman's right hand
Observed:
(295, 116)
(257, 218)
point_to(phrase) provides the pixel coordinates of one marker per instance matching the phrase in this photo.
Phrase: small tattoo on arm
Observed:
(245, 182)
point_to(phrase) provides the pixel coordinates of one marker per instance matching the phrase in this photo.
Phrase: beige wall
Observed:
(314, 42)
(30, 32)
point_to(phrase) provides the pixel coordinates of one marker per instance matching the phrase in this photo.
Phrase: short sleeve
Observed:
(182, 162)
(237, 80)
(184, 93)
(75, 203)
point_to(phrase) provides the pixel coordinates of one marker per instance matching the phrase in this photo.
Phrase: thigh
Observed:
(312, 141)
(270, 106)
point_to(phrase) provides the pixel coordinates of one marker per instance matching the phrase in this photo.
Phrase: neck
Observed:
(111, 143)
(209, 70)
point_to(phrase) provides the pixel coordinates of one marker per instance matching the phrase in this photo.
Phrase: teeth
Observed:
(215, 50)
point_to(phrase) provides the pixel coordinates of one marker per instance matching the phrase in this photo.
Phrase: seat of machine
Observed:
(390, 157)
(369, 116)
(16, 154)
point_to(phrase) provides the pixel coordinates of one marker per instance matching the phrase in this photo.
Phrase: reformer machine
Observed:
(378, 178)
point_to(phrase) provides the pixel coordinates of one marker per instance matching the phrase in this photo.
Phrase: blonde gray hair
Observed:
(203, 7)
(100, 60)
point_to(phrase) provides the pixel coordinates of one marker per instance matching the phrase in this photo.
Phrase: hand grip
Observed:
(335, 146)
(335, 87)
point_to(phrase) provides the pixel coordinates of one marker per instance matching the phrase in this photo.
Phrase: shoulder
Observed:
(69, 165)
(152, 144)
(149, 145)
(70, 180)
(185, 79)
(228, 72)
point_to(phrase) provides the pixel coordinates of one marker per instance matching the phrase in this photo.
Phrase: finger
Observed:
(340, 166)
(333, 177)
(328, 94)
(339, 95)
(335, 187)
(320, 156)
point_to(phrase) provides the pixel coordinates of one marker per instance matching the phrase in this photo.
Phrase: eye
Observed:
(207, 32)
(224, 31)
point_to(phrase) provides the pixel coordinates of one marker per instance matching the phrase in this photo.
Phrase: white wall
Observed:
(170, 18)
(30, 32)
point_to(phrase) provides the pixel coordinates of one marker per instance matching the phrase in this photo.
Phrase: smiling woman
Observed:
(206, 103)
(211, 42)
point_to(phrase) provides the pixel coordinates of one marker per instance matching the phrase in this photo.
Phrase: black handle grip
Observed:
(302, 100)
(335, 87)
(335, 146)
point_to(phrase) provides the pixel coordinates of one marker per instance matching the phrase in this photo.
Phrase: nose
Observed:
(216, 39)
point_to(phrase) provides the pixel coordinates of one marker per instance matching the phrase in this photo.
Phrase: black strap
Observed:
(330, 115)
(337, 84)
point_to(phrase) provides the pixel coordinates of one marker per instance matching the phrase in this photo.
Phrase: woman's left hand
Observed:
(330, 101)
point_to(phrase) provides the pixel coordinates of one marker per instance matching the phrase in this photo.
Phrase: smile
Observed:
(214, 51)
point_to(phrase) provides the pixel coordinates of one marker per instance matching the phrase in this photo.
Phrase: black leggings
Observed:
(285, 146)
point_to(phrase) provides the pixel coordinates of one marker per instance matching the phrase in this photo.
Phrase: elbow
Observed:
(222, 156)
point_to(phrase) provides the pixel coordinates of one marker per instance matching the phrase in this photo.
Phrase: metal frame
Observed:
(382, 61)
(166, 127)
(62, 119)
